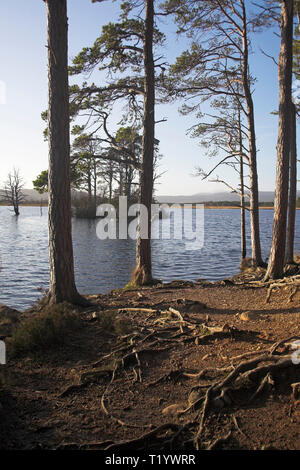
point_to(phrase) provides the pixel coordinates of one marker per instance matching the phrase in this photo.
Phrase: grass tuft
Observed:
(111, 322)
(43, 330)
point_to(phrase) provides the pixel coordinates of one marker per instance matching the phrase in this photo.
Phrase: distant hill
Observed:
(264, 196)
(34, 196)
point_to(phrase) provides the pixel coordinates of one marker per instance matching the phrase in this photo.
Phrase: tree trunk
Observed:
(16, 209)
(292, 189)
(89, 181)
(277, 254)
(254, 200)
(242, 189)
(110, 185)
(143, 272)
(95, 177)
(62, 282)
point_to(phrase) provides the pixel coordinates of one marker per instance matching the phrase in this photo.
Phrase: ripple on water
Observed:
(104, 265)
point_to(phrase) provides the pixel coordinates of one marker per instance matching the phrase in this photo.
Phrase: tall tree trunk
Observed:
(110, 185)
(254, 200)
(89, 181)
(277, 254)
(243, 221)
(242, 189)
(95, 177)
(143, 272)
(292, 189)
(121, 183)
(62, 282)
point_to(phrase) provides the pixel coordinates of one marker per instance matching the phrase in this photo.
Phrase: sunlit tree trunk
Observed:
(292, 189)
(95, 181)
(143, 272)
(254, 200)
(242, 191)
(89, 182)
(277, 254)
(62, 282)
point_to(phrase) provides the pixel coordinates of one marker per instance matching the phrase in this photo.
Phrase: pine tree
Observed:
(62, 280)
(211, 67)
(127, 46)
(277, 253)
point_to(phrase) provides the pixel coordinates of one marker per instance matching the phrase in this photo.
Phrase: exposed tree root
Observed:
(136, 309)
(218, 442)
(237, 426)
(146, 440)
(110, 415)
(243, 379)
(266, 382)
(282, 342)
(248, 372)
(291, 282)
(71, 389)
(84, 446)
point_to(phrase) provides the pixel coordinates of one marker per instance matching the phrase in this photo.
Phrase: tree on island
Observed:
(40, 184)
(123, 46)
(12, 193)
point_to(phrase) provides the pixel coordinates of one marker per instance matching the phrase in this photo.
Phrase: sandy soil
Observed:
(114, 389)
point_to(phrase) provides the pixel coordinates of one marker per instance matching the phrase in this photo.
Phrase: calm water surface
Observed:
(102, 265)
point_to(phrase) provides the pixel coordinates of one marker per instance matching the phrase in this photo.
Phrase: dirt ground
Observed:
(153, 381)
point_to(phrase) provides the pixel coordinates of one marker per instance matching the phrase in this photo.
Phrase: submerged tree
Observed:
(62, 280)
(12, 193)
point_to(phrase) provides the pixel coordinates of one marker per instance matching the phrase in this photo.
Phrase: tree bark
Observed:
(292, 189)
(277, 254)
(62, 281)
(242, 189)
(95, 178)
(254, 200)
(143, 271)
(89, 181)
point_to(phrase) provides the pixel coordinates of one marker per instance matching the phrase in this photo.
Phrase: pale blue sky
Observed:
(23, 58)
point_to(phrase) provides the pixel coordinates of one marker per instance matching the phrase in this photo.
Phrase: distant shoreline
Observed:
(177, 205)
(235, 207)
